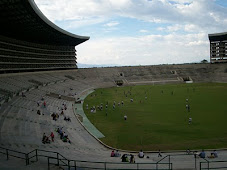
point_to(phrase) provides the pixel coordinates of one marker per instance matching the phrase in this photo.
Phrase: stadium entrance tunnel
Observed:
(119, 82)
(121, 74)
(185, 79)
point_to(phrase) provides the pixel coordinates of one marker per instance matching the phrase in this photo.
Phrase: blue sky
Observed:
(139, 32)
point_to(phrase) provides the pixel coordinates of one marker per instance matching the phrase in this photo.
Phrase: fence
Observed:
(206, 164)
(55, 158)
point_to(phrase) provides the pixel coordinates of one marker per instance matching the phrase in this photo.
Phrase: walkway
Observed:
(86, 122)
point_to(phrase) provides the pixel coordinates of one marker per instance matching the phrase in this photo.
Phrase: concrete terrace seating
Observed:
(23, 128)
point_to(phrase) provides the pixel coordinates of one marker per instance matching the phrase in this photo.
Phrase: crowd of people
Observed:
(63, 136)
(47, 139)
(202, 154)
(131, 158)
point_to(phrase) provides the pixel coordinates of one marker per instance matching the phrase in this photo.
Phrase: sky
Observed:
(139, 32)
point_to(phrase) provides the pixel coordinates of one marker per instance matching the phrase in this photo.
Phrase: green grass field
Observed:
(161, 120)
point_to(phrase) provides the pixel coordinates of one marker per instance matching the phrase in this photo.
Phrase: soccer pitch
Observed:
(158, 119)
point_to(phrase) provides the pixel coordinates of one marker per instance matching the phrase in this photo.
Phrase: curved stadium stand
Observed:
(29, 42)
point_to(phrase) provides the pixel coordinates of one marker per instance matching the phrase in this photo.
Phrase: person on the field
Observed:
(141, 154)
(125, 117)
(189, 120)
(188, 108)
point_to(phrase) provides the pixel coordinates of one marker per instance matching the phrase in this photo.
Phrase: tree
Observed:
(204, 61)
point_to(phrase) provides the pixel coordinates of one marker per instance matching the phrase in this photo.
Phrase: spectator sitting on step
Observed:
(23, 95)
(112, 153)
(38, 112)
(45, 139)
(132, 159)
(124, 158)
(67, 119)
(213, 154)
(53, 115)
(61, 133)
(44, 104)
(65, 135)
(202, 154)
(52, 136)
(188, 151)
(66, 139)
(117, 154)
(141, 154)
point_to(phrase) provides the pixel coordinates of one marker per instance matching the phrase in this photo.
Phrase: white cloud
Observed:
(174, 28)
(186, 23)
(202, 13)
(143, 31)
(112, 24)
(151, 49)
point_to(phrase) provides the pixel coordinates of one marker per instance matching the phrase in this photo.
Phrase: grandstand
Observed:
(30, 42)
(43, 53)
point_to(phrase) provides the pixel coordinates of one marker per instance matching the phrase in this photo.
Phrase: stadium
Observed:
(42, 91)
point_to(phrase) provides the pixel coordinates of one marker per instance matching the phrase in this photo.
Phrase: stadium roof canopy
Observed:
(21, 19)
(218, 36)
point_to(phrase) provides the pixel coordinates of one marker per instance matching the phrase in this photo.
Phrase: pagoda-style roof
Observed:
(22, 20)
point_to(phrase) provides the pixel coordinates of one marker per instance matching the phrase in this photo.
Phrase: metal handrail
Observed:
(170, 164)
(60, 158)
(210, 162)
(104, 164)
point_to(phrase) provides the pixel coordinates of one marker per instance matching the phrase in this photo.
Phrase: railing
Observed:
(13, 153)
(212, 165)
(159, 162)
(62, 161)
(106, 165)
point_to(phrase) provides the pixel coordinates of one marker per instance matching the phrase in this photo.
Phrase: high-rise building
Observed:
(218, 47)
